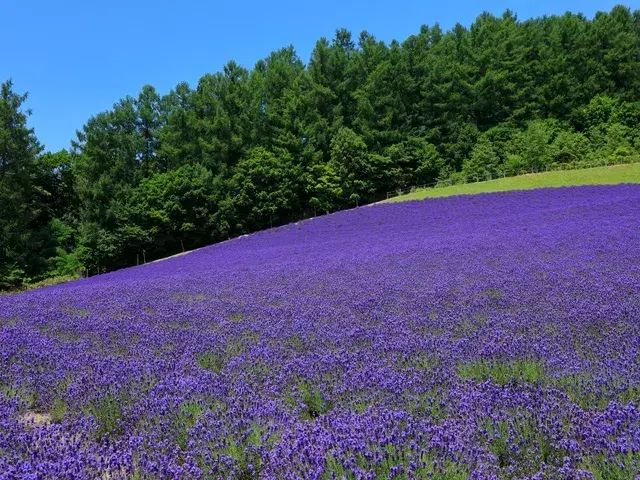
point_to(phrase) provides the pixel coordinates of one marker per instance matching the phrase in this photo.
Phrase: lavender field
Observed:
(488, 337)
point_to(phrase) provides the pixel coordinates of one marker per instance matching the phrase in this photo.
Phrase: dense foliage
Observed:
(485, 337)
(246, 149)
(37, 201)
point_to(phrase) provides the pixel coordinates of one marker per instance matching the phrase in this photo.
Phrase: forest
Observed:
(245, 150)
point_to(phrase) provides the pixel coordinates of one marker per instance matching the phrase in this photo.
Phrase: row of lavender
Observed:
(491, 336)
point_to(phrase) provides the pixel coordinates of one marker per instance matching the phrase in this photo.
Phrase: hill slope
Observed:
(610, 175)
(383, 342)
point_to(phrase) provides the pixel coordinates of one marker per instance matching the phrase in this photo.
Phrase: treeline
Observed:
(247, 149)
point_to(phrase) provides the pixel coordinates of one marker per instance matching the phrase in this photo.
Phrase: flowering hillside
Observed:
(490, 336)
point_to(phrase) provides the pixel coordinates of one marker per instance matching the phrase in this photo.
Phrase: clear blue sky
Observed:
(76, 58)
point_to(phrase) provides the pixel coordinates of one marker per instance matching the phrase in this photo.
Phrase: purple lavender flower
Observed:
(489, 336)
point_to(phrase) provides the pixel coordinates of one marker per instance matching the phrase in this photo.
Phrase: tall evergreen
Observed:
(20, 209)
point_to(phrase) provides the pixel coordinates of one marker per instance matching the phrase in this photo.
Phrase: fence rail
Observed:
(520, 172)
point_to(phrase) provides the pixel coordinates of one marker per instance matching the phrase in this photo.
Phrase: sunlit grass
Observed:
(610, 175)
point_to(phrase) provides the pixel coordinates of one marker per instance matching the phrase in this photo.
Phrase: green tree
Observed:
(262, 192)
(55, 182)
(175, 210)
(179, 141)
(150, 118)
(569, 147)
(349, 160)
(20, 213)
(413, 161)
(324, 188)
(534, 145)
(483, 163)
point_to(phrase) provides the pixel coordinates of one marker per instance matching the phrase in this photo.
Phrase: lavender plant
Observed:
(487, 337)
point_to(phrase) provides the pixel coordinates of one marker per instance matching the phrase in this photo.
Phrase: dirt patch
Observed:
(36, 418)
